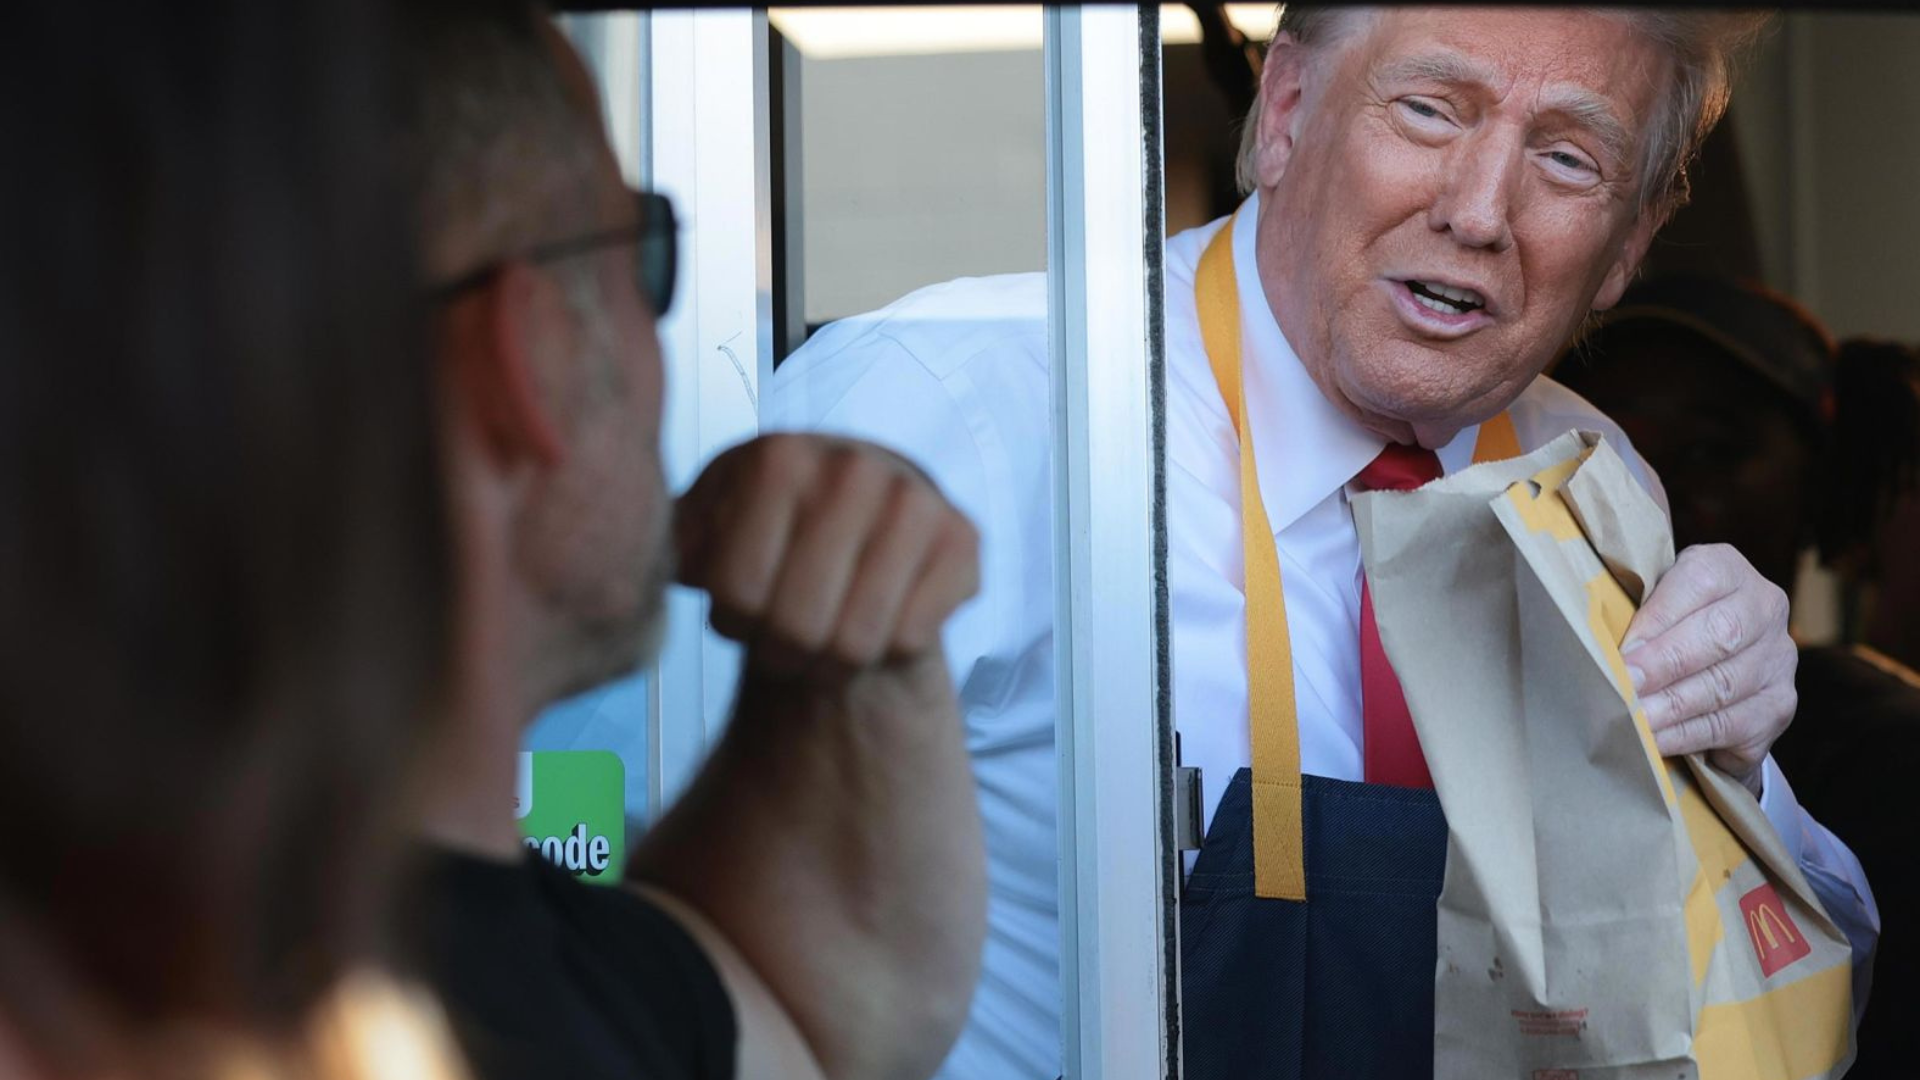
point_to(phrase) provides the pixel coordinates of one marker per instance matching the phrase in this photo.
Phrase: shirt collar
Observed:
(1306, 448)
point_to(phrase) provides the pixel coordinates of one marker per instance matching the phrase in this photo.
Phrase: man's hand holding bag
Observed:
(1606, 913)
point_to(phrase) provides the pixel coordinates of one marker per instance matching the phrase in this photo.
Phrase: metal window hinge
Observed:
(1186, 802)
(1186, 807)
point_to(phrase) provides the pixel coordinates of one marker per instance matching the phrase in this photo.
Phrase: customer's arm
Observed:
(833, 838)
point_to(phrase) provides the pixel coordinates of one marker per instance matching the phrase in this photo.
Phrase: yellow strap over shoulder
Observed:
(1279, 851)
(1279, 854)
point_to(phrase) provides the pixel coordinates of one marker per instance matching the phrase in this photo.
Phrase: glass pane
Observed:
(919, 136)
(912, 251)
(1207, 93)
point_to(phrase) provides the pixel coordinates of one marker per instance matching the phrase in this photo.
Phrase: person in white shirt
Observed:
(1436, 199)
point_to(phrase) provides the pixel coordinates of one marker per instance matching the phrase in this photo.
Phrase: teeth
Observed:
(1445, 298)
(1464, 296)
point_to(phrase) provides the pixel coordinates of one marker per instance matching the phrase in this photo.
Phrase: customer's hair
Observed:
(1705, 46)
(223, 547)
(1855, 405)
(500, 158)
(1874, 443)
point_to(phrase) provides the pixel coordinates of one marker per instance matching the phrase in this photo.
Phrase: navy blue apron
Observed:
(1330, 975)
(1338, 988)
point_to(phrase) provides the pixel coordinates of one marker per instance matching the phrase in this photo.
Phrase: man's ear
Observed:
(1620, 274)
(498, 339)
(1279, 104)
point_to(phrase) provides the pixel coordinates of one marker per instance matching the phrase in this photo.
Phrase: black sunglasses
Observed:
(655, 237)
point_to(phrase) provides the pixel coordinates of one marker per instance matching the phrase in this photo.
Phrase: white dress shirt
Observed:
(955, 378)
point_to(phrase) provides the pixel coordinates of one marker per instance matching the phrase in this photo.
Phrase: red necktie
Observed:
(1392, 749)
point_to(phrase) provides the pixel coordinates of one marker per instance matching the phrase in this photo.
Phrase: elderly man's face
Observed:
(1446, 193)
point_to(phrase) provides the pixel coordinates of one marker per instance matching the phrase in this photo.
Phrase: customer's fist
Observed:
(824, 554)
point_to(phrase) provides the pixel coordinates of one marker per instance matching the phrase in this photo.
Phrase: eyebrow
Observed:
(1582, 107)
(1591, 111)
(1446, 67)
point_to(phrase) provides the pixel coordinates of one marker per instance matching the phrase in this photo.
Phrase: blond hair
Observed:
(369, 1027)
(1705, 47)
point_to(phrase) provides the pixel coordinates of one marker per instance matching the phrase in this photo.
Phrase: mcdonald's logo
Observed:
(1776, 940)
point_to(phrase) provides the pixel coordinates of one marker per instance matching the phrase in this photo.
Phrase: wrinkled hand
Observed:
(824, 555)
(1711, 659)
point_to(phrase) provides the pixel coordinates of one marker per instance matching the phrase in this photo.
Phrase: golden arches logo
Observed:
(1776, 940)
(1764, 922)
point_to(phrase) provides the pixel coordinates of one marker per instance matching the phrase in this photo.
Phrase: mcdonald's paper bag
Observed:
(1606, 915)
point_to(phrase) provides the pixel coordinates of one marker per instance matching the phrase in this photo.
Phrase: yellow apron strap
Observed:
(1279, 851)
(1498, 441)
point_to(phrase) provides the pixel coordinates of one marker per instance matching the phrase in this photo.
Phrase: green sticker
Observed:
(572, 809)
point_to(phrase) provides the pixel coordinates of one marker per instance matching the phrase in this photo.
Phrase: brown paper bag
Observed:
(1606, 915)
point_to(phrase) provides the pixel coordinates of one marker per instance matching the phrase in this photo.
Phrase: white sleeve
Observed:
(1832, 870)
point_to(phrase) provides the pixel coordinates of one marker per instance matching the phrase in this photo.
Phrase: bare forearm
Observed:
(834, 838)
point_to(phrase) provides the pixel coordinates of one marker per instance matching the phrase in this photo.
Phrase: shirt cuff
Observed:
(1783, 810)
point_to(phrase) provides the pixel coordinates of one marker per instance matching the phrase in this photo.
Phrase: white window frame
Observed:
(1105, 237)
(708, 144)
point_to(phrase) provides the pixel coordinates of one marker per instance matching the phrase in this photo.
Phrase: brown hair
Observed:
(222, 537)
(1873, 453)
(499, 159)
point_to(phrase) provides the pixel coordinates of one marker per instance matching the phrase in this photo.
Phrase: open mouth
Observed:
(1444, 298)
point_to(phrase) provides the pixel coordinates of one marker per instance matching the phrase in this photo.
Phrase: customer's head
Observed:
(1725, 389)
(1764, 435)
(1448, 192)
(222, 543)
(547, 344)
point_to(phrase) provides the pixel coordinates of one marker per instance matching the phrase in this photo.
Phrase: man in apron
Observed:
(1437, 199)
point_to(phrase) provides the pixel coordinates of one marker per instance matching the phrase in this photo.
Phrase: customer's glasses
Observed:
(654, 235)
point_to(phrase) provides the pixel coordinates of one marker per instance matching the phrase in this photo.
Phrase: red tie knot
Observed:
(1399, 468)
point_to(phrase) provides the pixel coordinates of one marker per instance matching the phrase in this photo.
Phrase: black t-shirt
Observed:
(544, 976)
(1852, 755)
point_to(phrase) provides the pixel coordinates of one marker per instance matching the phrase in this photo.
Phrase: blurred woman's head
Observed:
(1766, 434)
(222, 550)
